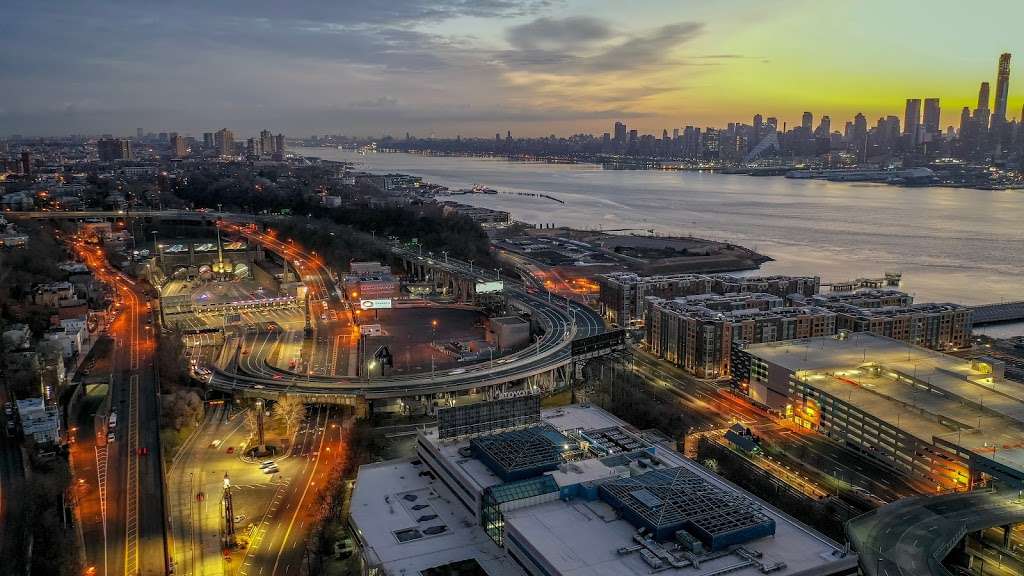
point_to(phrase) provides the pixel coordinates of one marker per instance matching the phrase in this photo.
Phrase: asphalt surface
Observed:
(274, 512)
(563, 320)
(912, 536)
(134, 518)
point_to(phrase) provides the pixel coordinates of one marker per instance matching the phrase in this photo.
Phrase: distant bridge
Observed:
(1001, 312)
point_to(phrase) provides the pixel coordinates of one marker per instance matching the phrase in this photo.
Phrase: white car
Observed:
(110, 437)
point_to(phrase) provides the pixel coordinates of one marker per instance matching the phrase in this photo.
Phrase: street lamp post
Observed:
(433, 337)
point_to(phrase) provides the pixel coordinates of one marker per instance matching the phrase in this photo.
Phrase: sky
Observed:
(478, 67)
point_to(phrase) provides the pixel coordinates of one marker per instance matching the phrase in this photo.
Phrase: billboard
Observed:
(488, 287)
(599, 344)
(378, 304)
(488, 417)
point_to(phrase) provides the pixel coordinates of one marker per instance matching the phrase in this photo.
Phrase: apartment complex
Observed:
(622, 297)
(698, 321)
(950, 421)
(699, 333)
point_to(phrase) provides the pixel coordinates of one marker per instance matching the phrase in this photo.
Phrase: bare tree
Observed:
(290, 411)
(182, 407)
(251, 422)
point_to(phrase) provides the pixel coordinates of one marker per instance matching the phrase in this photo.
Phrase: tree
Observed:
(251, 422)
(290, 411)
(181, 407)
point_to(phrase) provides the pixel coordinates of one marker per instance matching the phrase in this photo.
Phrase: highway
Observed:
(133, 480)
(912, 536)
(563, 320)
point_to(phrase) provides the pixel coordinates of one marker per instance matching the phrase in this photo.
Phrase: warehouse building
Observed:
(573, 492)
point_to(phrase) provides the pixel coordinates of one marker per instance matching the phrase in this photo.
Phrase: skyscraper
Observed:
(824, 127)
(981, 113)
(807, 122)
(138, 133)
(620, 132)
(965, 121)
(266, 143)
(1002, 89)
(111, 149)
(224, 140)
(178, 149)
(932, 113)
(912, 119)
(279, 146)
(208, 140)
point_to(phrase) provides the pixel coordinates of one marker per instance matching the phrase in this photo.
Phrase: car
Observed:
(258, 386)
(458, 371)
(278, 376)
(110, 437)
(240, 518)
(215, 444)
(231, 450)
(267, 464)
(143, 451)
(8, 409)
(271, 470)
(245, 351)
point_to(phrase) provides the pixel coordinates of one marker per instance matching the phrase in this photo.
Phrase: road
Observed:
(562, 318)
(275, 512)
(130, 465)
(721, 409)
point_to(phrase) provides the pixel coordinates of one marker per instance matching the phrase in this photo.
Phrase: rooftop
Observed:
(397, 537)
(923, 392)
(578, 534)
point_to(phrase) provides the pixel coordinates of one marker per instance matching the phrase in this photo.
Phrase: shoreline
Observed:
(668, 165)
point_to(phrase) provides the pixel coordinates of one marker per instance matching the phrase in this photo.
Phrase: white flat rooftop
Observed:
(380, 510)
(578, 537)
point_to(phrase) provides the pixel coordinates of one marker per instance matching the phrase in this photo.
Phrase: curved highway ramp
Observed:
(911, 537)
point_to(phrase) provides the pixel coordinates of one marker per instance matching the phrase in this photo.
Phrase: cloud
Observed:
(588, 45)
(558, 34)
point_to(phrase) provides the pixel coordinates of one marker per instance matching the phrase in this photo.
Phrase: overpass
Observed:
(562, 320)
(995, 313)
(913, 536)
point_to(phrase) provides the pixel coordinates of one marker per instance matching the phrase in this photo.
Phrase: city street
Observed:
(273, 512)
(128, 475)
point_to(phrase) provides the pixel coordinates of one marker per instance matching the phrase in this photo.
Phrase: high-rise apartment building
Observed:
(807, 122)
(208, 142)
(224, 140)
(266, 142)
(178, 148)
(112, 149)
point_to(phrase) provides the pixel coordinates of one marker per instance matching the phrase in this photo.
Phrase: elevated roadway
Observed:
(562, 320)
(912, 537)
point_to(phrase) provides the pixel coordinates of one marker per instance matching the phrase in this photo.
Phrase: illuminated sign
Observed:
(375, 304)
(488, 287)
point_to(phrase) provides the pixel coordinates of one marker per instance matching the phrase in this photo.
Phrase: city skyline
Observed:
(455, 67)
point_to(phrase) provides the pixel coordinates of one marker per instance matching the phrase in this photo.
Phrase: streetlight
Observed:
(433, 336)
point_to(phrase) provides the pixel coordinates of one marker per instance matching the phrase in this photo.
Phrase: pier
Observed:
(995, 313)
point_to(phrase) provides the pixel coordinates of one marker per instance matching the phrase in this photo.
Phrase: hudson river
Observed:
(952, 245)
